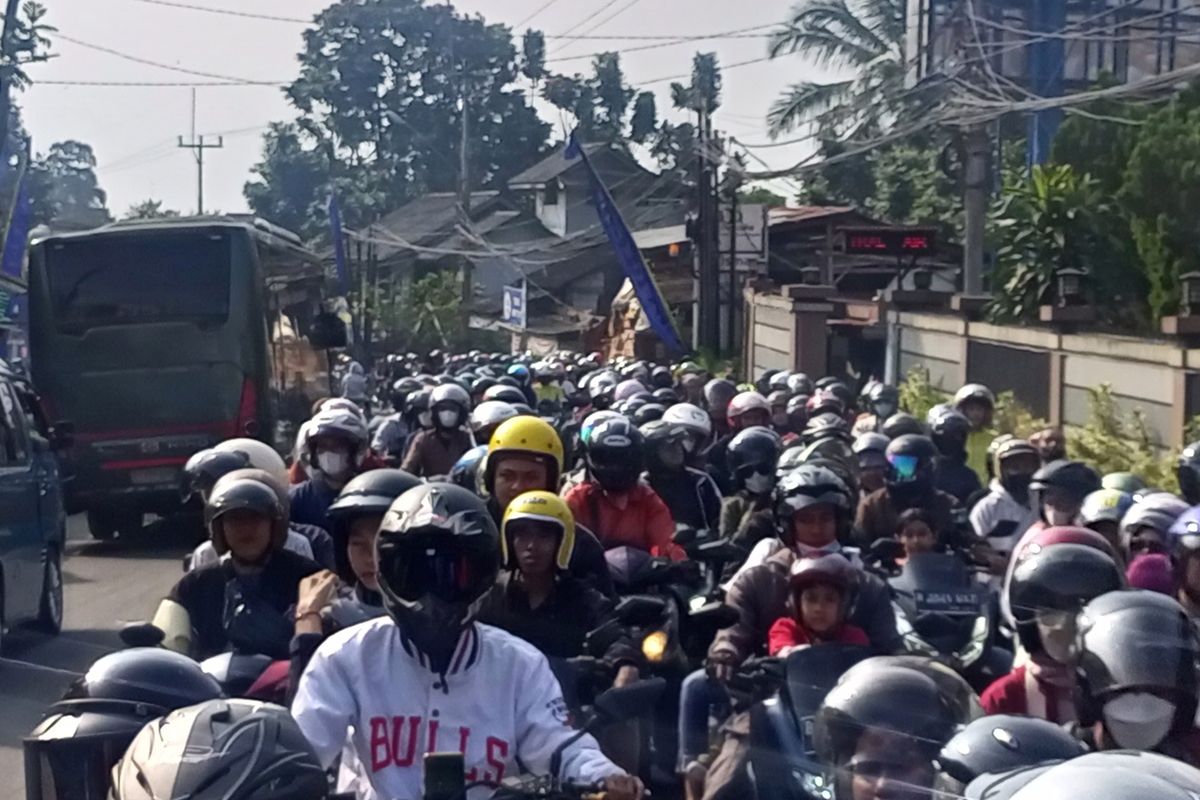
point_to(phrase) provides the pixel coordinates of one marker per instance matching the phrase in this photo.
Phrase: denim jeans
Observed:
(698, 697)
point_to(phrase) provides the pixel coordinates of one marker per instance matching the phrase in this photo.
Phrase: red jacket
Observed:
(787, 632)
(636, 518)
(1009, 695)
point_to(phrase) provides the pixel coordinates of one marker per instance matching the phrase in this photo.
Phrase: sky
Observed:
(135, 131)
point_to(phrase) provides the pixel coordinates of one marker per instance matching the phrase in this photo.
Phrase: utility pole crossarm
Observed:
(198, 145)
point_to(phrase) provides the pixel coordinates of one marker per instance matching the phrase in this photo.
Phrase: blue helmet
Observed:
(465, 472)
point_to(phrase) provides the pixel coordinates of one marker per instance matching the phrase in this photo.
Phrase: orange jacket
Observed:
(636, 518)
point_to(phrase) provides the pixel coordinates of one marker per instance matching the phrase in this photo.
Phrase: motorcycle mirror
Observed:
(885, 550)
(620, 704)
(640, 610)
(141, 634)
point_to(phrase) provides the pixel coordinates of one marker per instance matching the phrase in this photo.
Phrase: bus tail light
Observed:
(247, 420)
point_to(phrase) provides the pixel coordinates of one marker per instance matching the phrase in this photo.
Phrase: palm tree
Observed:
(867, 40)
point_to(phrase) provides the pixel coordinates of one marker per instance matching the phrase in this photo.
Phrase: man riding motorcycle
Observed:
(336, 443)
(525, 455)
(246, 518)
(433, 452)
(691, 494)
(614, 502)
(451, 683)
(812, 511)
(538, 599)
(909, 485)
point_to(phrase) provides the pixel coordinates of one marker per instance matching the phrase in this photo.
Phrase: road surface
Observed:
(106, 585)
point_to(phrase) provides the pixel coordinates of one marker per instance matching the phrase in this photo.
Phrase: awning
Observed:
(653, 238)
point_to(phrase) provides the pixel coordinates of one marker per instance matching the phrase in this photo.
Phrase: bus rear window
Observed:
(119, 280)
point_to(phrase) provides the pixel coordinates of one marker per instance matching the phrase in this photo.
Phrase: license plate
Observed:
(952, 603)
(153, 476)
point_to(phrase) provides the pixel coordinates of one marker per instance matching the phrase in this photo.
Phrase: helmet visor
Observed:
(419, 569)
(904, 467)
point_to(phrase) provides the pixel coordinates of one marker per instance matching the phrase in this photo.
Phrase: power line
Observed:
(723, 68)
(226, 11)
(536, 12)
(138, 60)
(603, 7)
(661, 42)
(158, 84)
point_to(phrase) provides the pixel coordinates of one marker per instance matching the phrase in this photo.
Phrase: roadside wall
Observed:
(1051, 372)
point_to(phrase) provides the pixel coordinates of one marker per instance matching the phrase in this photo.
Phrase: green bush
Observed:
(1112, 442)
(1014, 418)
(918, 394)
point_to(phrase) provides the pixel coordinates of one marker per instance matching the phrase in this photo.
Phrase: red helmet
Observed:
(1065, 534)
(743, 402)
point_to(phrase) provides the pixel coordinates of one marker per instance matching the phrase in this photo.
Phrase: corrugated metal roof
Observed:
(785, 214)
(553, 165)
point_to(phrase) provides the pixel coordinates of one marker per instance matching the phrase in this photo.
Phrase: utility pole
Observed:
(976, 178)
(709, 312)
(731, 312)
(198, 146)
(8, 68)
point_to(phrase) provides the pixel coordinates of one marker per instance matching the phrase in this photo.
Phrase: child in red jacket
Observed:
(822, 592)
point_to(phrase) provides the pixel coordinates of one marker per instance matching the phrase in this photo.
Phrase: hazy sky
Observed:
(134, 130)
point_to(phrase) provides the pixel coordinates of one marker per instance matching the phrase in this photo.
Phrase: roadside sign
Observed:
(515, 312)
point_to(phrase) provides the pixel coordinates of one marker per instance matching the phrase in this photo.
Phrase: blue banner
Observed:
(339, 244)
(629, 256)
(16, 240)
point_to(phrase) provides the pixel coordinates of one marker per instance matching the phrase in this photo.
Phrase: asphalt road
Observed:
(106, 584)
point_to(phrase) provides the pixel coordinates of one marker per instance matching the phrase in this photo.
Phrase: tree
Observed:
(1051, 220)
(383, 89)
(760, 195)
(645, 118)
(703, 93)
(867, 40)
(290, 182)
(599, 102)
(149, 209)
(1159, 196)
(63, 186)
(533, 56)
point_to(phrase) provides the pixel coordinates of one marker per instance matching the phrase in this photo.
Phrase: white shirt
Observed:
(499, 703)
(999, 506)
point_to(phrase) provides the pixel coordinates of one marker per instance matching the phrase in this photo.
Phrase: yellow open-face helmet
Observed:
(541, 507)
(528, 436)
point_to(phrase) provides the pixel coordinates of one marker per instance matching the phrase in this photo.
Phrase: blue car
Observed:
(32, 516)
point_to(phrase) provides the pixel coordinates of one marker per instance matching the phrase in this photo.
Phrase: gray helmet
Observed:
(1111, 775)
(221, 750)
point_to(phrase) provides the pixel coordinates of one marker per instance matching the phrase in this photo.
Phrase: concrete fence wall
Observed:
(1051, 372)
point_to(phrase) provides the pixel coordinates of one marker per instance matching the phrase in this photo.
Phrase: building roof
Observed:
(430, 215)
(782, 215)
(553, 165)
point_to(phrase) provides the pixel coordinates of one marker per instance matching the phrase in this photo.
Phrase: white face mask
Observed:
(1138, 720)
(335, 465)
(425, 419)
(448, 419)
(759, 483)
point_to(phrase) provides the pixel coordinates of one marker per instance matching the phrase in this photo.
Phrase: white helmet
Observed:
(340, 424)
(490, 413)
(260, 455)
(691, 417)
(341, 404)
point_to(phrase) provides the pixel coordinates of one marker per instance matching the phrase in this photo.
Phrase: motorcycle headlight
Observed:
(973, 649)
(654, 646)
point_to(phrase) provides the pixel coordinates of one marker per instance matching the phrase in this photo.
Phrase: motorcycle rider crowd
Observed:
(456, 575)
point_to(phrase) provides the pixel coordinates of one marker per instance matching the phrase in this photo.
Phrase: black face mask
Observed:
(1017, 486)
(910, 493)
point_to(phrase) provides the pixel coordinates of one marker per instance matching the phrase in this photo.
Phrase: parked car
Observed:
(32, 516)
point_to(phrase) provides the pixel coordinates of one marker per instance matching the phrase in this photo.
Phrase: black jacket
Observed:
(691, 495)
(955, 478)
(204, 594)
(560, 625)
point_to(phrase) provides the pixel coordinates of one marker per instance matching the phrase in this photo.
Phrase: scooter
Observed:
(943, 612)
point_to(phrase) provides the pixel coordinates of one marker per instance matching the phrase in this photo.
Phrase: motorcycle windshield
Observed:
(628, 567)
(813, 671)
(936, 572)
